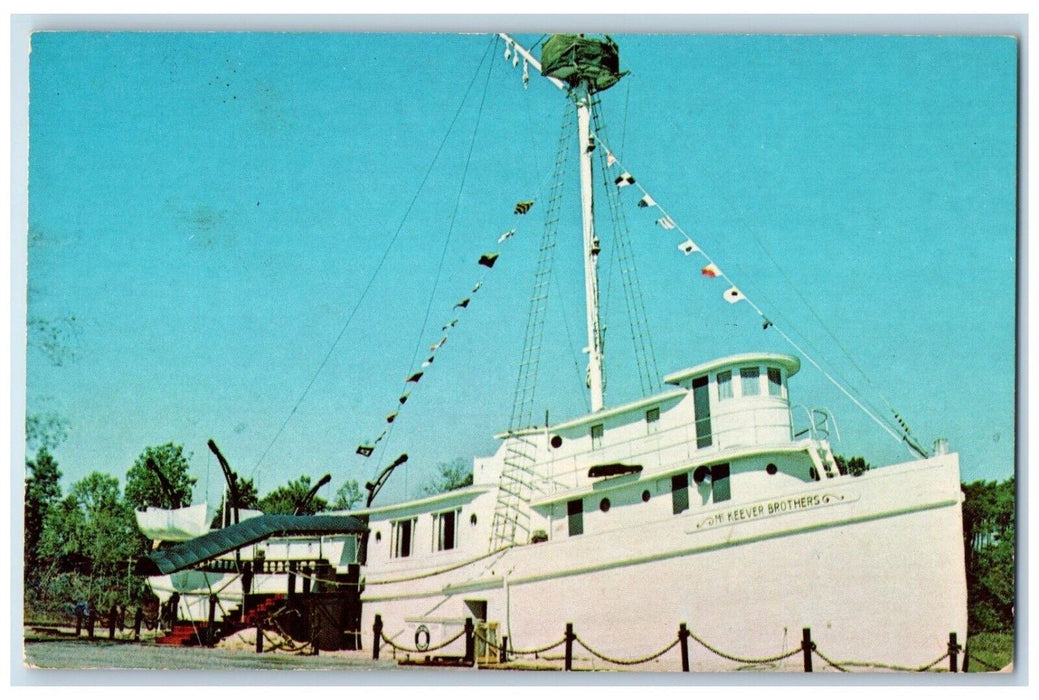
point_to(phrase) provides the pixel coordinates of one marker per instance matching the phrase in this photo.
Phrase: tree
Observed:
(144, 487)
(247, 498)
(988, 538)
(42, 492)
(348, 496)
(856, 466)
(286, 499)
(91, 538)
(452, 475)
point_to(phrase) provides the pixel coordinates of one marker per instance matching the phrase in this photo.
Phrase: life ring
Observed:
(422, 638)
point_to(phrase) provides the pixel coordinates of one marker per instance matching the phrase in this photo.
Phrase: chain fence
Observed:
(503, 653)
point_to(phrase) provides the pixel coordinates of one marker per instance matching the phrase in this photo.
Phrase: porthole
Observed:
(604, 505)
(556, 441)
(701, 473)
(472, 519)
(771, 468)
(645, 496)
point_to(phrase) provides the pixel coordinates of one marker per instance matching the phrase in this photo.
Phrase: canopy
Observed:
(574, 58)
(217, 542)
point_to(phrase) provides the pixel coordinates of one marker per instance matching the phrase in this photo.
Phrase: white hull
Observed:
(867, 564)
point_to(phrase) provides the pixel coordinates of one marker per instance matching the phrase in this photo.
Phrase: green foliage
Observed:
(88, 543)
(285, 499)
(989, 651)
(348, 496)
(452, 475)
(143, 486)
(988, 534)
(856, 466)
(247, 498)
(42, 492)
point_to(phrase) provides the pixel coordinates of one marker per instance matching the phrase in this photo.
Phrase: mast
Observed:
(586, 66)
(582, 96)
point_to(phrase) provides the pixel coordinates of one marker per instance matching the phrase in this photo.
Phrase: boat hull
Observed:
(873, 566)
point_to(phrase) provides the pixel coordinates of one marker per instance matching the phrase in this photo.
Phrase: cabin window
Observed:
(720, 483)
(724, 385)
(702, 412)
(679, 493)
(575, 517)
(445, 531)
(604, 505)
(403, 534)
(652, 419)
(597, 436)
(775, 382)
(750, 383)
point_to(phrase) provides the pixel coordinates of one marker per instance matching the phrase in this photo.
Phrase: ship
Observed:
(706, 508)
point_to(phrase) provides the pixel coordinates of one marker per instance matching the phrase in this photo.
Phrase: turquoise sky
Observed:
(207, 211)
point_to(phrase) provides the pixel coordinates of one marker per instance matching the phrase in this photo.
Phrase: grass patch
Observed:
(990, 651)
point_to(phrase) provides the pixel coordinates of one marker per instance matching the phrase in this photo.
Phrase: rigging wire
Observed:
(821, 323)
(378, 267)
(447, 239)
(638, 319)
(767, 321)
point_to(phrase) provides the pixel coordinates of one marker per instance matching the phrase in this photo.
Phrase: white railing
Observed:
(664, 448)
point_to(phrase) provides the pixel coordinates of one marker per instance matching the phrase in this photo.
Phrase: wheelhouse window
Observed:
(724, 385)
(750, 383)
(597, 430)
(679, 493)
(445, 530)
(403, 537)
(653, 419)
(720, 483)
(575, 517)
(775, 382)
(702, 412)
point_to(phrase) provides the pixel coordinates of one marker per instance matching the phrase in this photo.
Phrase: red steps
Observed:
(188, 633)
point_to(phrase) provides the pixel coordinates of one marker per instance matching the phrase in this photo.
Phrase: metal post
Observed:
(211, 628)
(806, 648)
(306, 580)
(259, 636)
(683, 643)
(111, 621)
(138, 616)
(502, 655)
(954, 649)
(966, 659)
(377, 634)
(79, 620)
(569, 663)
(315, 629)
(470, 641)
(292, 581)
(90, 623)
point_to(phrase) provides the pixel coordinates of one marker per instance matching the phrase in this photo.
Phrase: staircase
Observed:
(186, 633)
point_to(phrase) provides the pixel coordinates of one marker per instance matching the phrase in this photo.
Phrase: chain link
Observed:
(535, 652)
(626, 662)
(982, 662)
(892, 667)
(771, 659)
